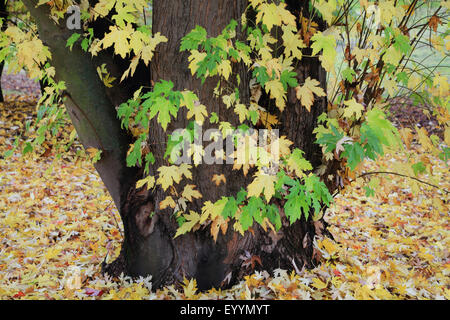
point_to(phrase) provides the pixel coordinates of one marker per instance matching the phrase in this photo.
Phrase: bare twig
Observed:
(405, 176)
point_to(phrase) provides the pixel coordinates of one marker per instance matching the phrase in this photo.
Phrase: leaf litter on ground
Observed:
(58, 223)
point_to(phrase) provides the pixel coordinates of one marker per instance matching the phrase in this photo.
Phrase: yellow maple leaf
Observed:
(194, 60)
(305, 93)
(392, 56)
(185, 170)
(148, 50)
(242, 111)
(353, 108)
(268, 119)
(219, 223)
(329, 246)
(224, 69)
(168, 175)
(276, 91)
(218, 179)
(189, 288)
(119, 38)
(319, 284)
(442, 82)
(149, 180)
(284, 145)
(268, 14)
(198, 112)
(167, 202)
(326, 8)
(191, 220)
(293, 44)
(262, 182)
(211, 210)
(189, 193)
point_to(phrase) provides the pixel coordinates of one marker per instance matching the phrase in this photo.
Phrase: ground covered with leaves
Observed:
(58, 224)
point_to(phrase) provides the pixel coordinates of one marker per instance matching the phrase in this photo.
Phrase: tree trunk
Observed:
(149, 246)
(3, 15)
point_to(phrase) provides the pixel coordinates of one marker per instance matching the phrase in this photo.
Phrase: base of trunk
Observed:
(219, 264)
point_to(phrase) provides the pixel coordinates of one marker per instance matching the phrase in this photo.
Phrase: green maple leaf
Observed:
(372, 145)
(193, 39)
(165, 109)
(354, 153)
(288, 78)
(348, 74)
(72, 39)
(230, 208)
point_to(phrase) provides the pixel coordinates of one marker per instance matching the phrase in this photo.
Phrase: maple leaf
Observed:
(326, 44)
(118, 38)
(392, 56)
(353, 108)
(185, 170)
(212, 210)
(276, 91)
(305, 93)
(102, 8)
(326, 8)
(164, 108)
(388, 10)
(284, 145)
(224, 69)
(149, 180)
(168, 176)
(218, 224)
(189, 288)
(242, 111)
(207, 211)
(124, 14)
(195, 59)
(167, 202)
(198, 111)
(293, 44)
(191, 220)
(147, 51)
(218, 179)
(298, 163)
(268, 14)
(262, 182)
(189, 193)
(443, 84)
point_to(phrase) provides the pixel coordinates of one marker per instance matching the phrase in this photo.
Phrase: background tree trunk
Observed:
(3, 15)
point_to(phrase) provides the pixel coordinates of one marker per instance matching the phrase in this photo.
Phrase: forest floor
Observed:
(58, 223)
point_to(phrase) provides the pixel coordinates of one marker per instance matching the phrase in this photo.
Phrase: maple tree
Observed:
(126, 86)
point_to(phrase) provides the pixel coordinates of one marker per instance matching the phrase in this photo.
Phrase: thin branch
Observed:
(404, 176)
